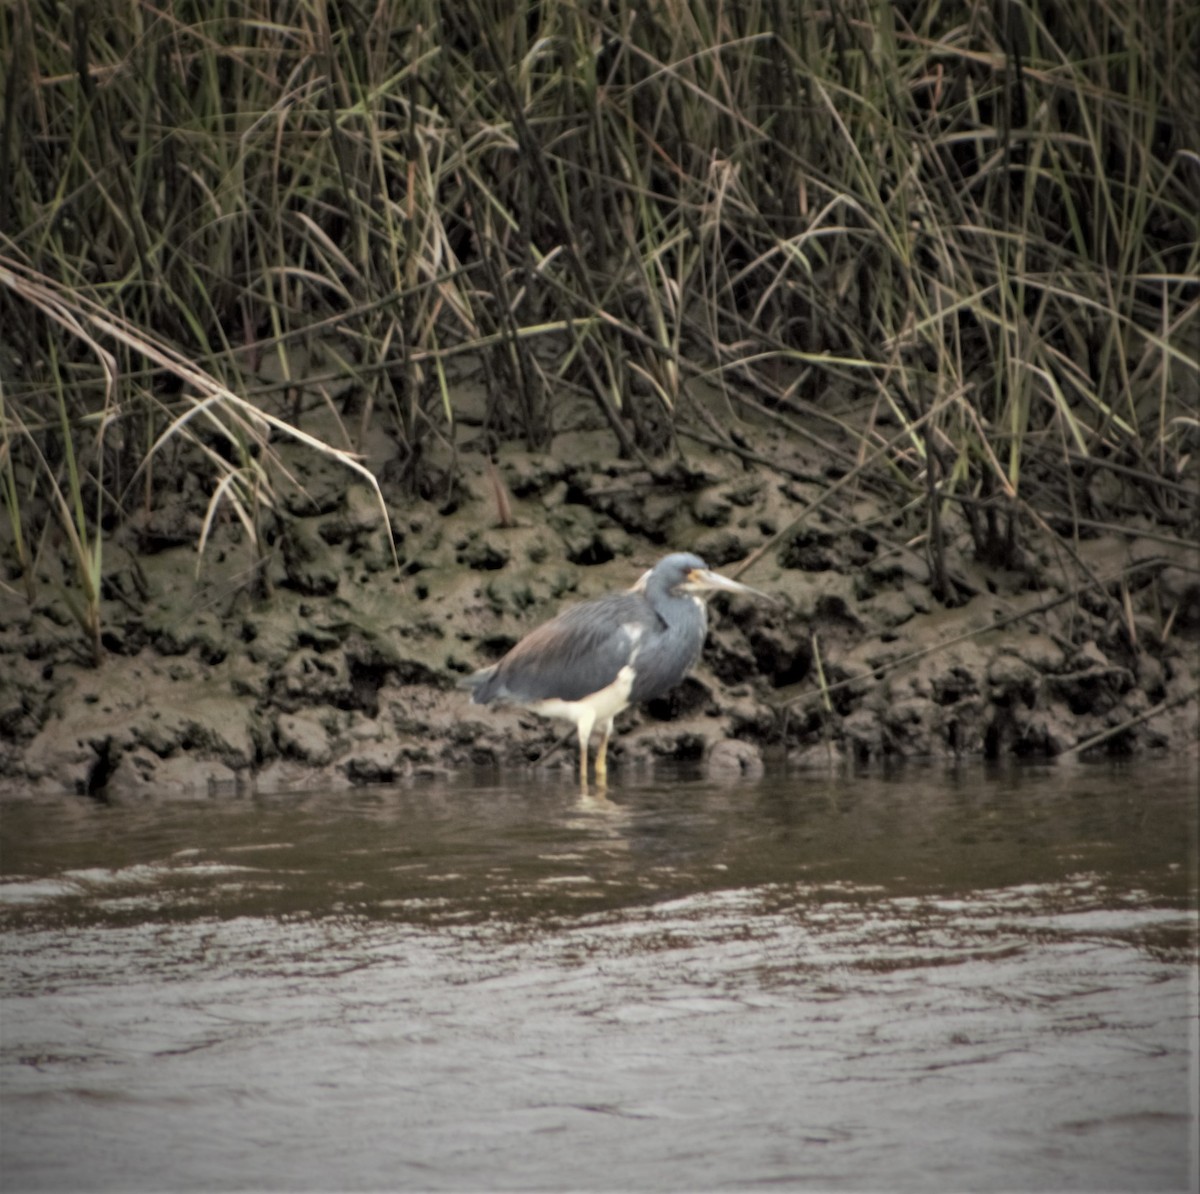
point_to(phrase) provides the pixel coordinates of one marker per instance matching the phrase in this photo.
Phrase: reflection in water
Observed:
(943, 979)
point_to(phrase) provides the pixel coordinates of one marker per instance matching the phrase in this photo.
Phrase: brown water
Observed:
(935, 980)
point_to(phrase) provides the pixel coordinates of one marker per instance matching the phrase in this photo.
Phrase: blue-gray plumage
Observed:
(594, 659)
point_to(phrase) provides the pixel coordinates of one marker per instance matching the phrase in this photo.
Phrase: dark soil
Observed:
(318, 661)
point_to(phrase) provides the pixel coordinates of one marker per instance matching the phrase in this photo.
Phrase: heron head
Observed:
(687, 573)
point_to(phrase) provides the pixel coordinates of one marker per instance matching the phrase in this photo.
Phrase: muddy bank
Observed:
(318, 661)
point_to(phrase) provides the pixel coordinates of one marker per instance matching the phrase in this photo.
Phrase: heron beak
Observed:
(703, 580)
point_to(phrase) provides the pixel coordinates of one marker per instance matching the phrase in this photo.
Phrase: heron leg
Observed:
(586, 720)
(602, 753)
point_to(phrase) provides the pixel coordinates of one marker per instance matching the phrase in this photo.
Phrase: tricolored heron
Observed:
(594, 659)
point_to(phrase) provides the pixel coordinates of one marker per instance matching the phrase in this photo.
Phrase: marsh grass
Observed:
(973, 222)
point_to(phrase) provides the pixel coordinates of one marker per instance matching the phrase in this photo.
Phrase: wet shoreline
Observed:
(322, 665)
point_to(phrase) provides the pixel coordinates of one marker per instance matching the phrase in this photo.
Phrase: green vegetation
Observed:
(962, 234)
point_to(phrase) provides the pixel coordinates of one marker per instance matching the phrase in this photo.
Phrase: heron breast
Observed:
(603, 705)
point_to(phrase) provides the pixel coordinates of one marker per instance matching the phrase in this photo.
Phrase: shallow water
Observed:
(935, 979)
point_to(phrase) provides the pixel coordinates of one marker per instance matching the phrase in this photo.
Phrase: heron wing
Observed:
(475, 679)
(570, 657)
